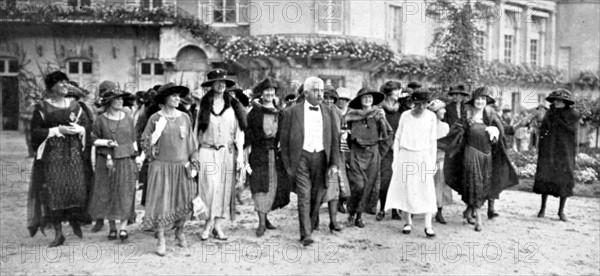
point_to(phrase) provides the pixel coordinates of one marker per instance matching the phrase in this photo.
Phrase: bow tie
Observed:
(313, 108)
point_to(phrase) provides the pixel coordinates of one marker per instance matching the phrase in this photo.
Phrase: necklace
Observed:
(118, 123)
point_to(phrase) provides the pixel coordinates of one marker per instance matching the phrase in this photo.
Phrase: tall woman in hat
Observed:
(221, 125)
(476, 164)
(116, 171)
(557, 151)
(267, 181)
(170, 144)
(443, 193)
(369, 139)
(60, 129)
(412, 188)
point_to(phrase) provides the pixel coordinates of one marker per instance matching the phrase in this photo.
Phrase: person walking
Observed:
(557, 151)
(310, 151)
(443, 193)
(412, 189)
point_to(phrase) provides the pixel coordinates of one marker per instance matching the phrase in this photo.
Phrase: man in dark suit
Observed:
(310, 149)
(456, 109)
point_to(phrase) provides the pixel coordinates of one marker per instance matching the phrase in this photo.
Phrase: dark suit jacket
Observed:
(451, 114)
(292, 137)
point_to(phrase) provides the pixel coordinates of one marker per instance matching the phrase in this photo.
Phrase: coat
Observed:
(259, 156)
(504, 173)
(557, 152)
(451, 114)
(292, 137)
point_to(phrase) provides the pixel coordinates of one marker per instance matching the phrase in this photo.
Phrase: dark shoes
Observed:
(407, 229)
(269, 225)
(76, 228)
(341, 207)
(359, 223)
(492, 214)
(98, 226)
(469, 217)
(439, 218)
(112, 235)
(542, 213)
(396, 215)
(562, 217)
(307, 242)
(380, 216)
(58, 241)
(260, 231)
(218, 236)
(429, 234)
(334, 227)
(123, 235)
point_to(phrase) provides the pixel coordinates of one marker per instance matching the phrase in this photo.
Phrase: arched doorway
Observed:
(191, 65)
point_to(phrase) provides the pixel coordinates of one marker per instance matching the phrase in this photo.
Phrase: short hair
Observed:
(390, 86)
(311, 82)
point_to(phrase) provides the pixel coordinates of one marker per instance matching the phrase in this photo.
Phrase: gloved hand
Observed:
(493, 132)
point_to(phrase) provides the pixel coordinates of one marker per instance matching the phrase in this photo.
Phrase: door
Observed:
(10, 103)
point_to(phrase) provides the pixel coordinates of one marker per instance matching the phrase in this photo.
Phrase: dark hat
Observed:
(239, 95)
(264, 85)
(377, 98)
(140, 96)
(76, 92)
(414, 85)
(390, 86)
(459, 89)
(169, 89)
(107, 96)
(483, 91)
(289, 97)
(420, 95)
(187, 100)
(53, 78)
(560, 94)
(331, 93)
(217, 75)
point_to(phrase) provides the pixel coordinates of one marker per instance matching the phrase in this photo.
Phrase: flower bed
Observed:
(587, 168)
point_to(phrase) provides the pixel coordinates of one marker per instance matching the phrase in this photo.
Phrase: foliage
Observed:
(587, 168)
(588, 79)
(589, 109)
(496, 71)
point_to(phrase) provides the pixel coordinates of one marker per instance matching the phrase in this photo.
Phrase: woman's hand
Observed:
(110, 165)
(67, 130)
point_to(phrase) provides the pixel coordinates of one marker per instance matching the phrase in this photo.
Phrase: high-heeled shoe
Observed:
(492, 214)
(112, 235)
(468, 217)
(269, 225)
(204, 236)
(76, 228)
(218, 236)
(429, 235)
(123, 235)
(439, 218)
(407, 229)
(57, 241)
(334, 227)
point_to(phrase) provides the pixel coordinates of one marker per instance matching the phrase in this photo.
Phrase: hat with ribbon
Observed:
(436, 105)
(459, 89)
(169, 89)
(420, 95)
(109, 91)
(560, 94)
(377, 98)
(217, 75)
(54, 78)
(483, 91)
(239, 94)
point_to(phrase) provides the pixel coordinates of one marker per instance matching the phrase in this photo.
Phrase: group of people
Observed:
(193, 152)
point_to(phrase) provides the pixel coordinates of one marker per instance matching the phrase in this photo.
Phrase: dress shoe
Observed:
(307, 242)
(542, 213)
(430, 234)
(492, 214)
(380, 216)
(396, 215)
(359, 223)
(218, 236)
(112, 235)
(350, 219)
(407, 229)
(260, 231)
(562, 217)
(468, 217)
(334, 227)
(76, 229)
(57, 241)
(341, 208)
(123, 235)
(269, 225)
(98, 226)
(439, 218)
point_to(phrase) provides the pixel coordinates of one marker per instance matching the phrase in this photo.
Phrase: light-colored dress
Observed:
(443, 192)
(217, 163)
(412, 188)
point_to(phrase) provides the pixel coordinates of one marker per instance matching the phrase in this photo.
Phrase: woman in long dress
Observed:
(268, 181)
(443, 193)
(60, 130)
(221, 125)
(170, 144)
(116, 171)
(412, 189)
(557, 151)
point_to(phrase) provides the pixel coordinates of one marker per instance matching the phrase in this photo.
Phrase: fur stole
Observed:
(230, 102)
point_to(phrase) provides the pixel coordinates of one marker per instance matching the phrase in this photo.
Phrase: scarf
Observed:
(206, 109)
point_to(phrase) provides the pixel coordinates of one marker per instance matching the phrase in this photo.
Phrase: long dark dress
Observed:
(557, 151)
(58, 191)
(268, 181)
(477, 164)
(113, 196)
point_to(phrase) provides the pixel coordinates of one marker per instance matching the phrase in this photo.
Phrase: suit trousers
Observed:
(311, 189)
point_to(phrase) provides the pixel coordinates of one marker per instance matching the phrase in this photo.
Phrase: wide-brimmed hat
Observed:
(420, 95)
(239, 95)
(53, 78)
(264, 85)
(217, 75)
(483, 91)
(436, 105)
(76, 92)
(414, 85)
(290, 97)
(377, 98)
(107, 96)
(330, 92)
(169, 89)
(560, 94)
(344, 93)
(459, 89)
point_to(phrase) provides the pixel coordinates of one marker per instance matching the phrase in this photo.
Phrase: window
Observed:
(230, 11)
(508, 45)
(80, 71)
(151, 4)
(335, 81)
(152, 68)
(79, 3)
(480, 40)
(396, 22)
(9, 67)
(533, 52)
(329, 15)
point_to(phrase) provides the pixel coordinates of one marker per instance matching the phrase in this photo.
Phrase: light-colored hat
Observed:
(436, 105)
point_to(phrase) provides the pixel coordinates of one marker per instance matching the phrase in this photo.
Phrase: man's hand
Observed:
(333, 170)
